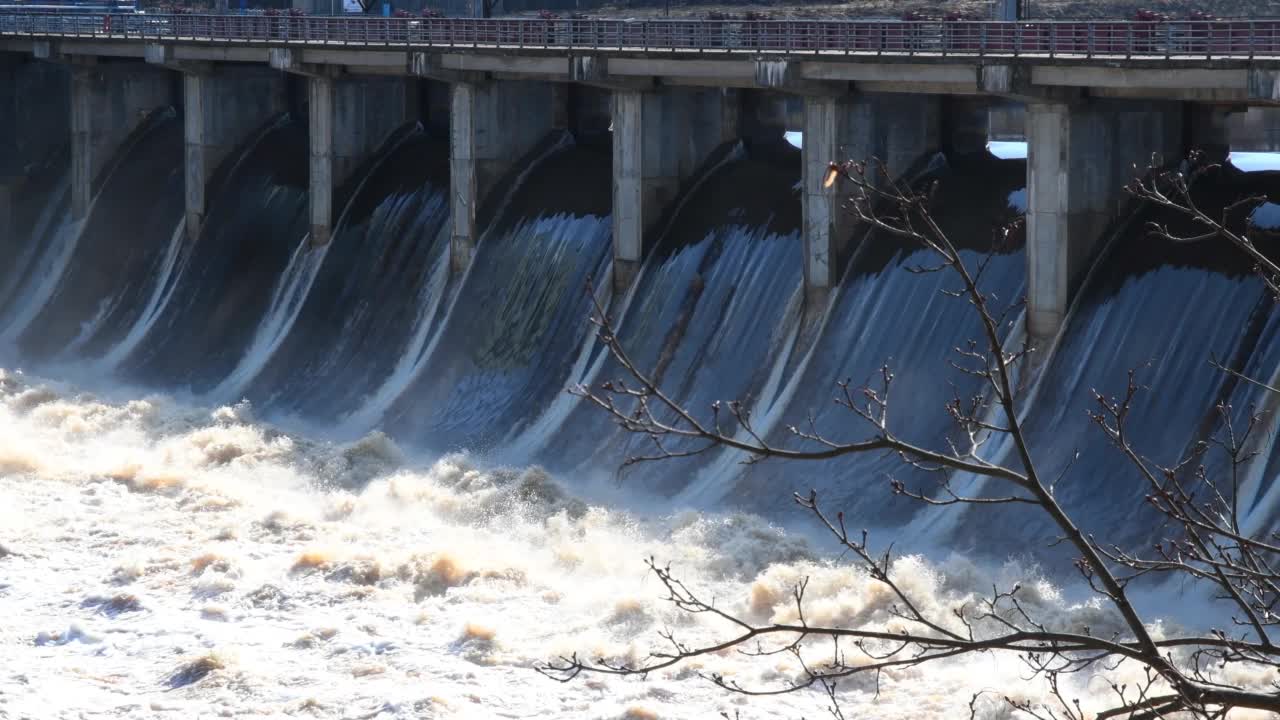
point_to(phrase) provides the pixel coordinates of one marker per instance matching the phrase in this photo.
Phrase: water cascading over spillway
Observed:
(886, 314)
(519, 319)
(714, 308)
(253, 237)
(37, 206)
(123, 240)
(1163, 310)
(377, 292)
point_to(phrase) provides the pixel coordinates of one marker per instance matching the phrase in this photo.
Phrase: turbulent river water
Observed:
(240, 476)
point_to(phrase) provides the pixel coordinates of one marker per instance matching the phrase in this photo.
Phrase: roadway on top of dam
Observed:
(1215, 61)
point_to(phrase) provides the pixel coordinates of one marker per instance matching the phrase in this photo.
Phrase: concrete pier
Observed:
(108, 102)
(221, 109)
(492, 126)
(660, 138)
(348, 119)
(825, 125)
(1079, 159)
(320, 167)
(82, 156)
(897, 129)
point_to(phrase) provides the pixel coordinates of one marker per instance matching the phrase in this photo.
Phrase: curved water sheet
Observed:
(379, 287)
(885, 314)
(57, 238)
(519, 319)
(1249, 415)
(713, 309)
(123, 243)
(251, 238)
(39, 202)
(1160, 309)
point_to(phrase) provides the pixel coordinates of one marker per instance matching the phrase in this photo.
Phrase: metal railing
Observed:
(1106, 39)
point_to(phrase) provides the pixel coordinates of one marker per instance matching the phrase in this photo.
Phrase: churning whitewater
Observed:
(165, 560)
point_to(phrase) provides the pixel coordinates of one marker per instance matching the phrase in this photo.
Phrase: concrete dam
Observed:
(362, 236)
(289, 309)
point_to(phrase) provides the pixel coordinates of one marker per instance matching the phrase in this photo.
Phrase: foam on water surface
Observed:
(164, 560)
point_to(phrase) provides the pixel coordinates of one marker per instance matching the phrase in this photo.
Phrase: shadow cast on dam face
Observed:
(256, 222)
(714, 307)
(124, 238)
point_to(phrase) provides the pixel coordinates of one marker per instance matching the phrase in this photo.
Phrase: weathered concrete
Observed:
(221, 109)
(366, 111)
(108, 102)
(348, 119)
(1079, 159)
(492, 126)
(659, 140)
(320, 169)
(897, 129)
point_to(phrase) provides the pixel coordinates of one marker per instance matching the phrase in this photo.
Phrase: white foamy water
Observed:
(160, 560)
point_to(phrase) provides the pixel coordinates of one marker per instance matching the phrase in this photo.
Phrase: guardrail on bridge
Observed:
(1100, 39)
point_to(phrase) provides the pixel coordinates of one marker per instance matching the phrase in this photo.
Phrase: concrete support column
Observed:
(823, 119)
(221, 109)
(1067, 189)
(897, 129)
(82, 160)
(462, 169)
(1079, 158)
(493, 126)
(196, 170)
(628, 191)
(660, 138)
(320, 114)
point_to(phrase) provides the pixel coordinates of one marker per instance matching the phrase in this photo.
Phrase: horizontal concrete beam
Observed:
(965, 74)
(293, 61)
(522, 66)
(162, 55)
(726, 70)
(1193, 95)
(594, 70)
(429, 65)
(1014, 82)
(45, 49)
(1115, 77)
(221, 54)
(889, 86)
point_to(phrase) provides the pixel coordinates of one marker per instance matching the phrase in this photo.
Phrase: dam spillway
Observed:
(314, 314)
